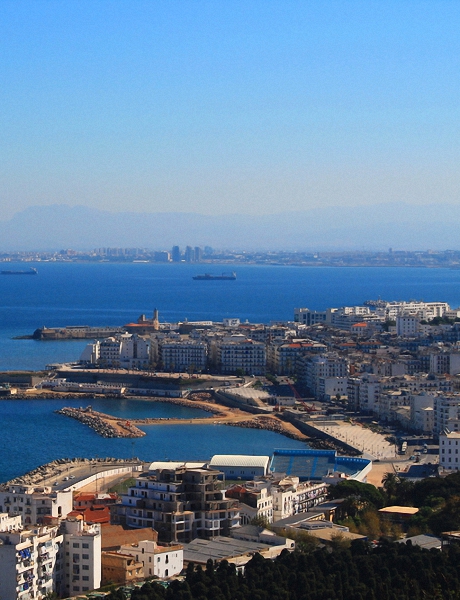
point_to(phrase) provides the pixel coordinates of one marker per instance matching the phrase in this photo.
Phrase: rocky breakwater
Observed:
(268, 424)
(105, 425)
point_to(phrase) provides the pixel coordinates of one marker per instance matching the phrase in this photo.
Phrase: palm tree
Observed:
(390, 482)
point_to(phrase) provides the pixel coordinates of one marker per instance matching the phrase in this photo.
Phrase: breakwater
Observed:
(104, 425)
(59, 466)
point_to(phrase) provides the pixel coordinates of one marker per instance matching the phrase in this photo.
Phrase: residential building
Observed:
(157, 560)
(182, 355)
(82, 556)
(34, 504)
(30, 561)
(237, 353)
(449, 445)
(120, 568)
(181, 502)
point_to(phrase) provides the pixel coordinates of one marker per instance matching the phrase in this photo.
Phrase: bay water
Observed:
(114, 294)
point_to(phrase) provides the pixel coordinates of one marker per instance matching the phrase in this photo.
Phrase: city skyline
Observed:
(228, 108)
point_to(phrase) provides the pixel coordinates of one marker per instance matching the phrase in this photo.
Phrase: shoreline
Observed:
(219, 414)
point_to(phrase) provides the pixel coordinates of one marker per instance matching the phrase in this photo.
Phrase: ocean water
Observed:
(114, 294)
(33, 434)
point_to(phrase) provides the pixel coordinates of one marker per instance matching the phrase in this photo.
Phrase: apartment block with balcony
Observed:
(34, 503)
(30, 561)
(181, 503)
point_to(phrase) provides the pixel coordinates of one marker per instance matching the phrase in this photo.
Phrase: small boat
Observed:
(31, 271)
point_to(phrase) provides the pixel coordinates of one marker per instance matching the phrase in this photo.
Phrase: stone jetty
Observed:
(105, 425)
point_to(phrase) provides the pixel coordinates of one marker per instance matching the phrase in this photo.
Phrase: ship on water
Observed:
(223, 277)
(31, 271)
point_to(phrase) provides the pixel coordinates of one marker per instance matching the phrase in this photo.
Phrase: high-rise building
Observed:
(176, 255)
(189, 254)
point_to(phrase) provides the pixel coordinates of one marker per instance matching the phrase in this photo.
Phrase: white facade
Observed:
(290, 496)
(182, 355)
(82, 547)
(429, 310)
(422, 412)
(34, 503)
(240, 354)
(30, 562)
(157, 561)
(407, 325)
(446, 413)
(449, 446)
(323, 366)
(329, 387)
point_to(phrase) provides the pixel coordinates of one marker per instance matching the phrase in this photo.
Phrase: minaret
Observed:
(156, 322)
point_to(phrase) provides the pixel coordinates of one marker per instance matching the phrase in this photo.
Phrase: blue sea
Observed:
(114, 294)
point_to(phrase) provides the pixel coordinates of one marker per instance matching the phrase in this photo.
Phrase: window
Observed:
(85, 577)
(85, 556)
(85, 567)
(85, 545)
(75, 545)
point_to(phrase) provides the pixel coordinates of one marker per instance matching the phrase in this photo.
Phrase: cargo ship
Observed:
(208, 277)
(31, 271)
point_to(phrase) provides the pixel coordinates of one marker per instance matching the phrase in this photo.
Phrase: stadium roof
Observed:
(239, 460)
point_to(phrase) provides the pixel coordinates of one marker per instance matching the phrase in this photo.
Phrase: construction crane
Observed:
(308, 407)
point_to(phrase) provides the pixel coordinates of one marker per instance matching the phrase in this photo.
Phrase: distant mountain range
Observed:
(397, 225)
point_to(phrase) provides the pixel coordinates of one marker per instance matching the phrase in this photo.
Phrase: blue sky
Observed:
(228, 107)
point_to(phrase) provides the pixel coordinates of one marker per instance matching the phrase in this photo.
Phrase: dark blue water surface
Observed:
(114, 294)
(32, 434)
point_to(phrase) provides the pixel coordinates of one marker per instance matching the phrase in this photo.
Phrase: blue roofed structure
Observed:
(316, 464)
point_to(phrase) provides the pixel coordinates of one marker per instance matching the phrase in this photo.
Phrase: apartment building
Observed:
(255, 501)
(446, 413)
(82, 558)
(180, 502)
(30, 561)
(449, 446)
(232, 354)
(34, 503)
(157, 560)
(284, 358)
(182, 355)
(322, 366)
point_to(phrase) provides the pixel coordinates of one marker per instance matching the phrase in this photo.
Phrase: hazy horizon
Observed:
(229, 108)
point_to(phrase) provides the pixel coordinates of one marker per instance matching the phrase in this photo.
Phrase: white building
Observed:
(422, 412)
(34, 503)
(446, 413)
(30, 561)
(308, 317)
(182, 355)
(240, 466)
(407, 325)
(290, 496)
(449, 445)
(237, 353)
(82, 547)
(323, 366)
(157, 561)
(426, 310)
